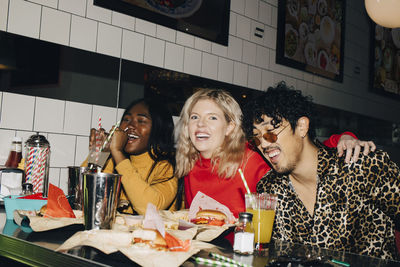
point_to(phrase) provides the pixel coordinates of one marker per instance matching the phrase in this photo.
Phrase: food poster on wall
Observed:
(312, 33)
(386, 55)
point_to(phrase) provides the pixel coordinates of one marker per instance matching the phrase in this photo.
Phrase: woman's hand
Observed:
(353, 147)
(117, 145)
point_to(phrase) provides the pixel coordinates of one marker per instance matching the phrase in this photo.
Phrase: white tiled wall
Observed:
(247, 61)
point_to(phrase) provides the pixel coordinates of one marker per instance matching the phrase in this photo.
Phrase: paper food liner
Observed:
(150, 258)
(109, 241)
(203, 202)
(153, 220)
(40, 224)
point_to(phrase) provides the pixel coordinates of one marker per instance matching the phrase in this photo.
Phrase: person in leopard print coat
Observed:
(322, 200)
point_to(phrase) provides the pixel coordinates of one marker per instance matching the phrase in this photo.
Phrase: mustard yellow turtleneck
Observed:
(140, 190)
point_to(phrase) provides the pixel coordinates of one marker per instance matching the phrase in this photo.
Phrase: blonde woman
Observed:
(211, 148)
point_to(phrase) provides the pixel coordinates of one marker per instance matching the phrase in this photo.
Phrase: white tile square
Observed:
(270, 37)
(83, 33)
(257, 28)
(17, 111)
(238, 6)
(154, 51)
(49, 115)
(108, 117)
(254, 80)
(98, 13)
(77, 7)
(109, 40)
(225, 70)
(262, 57)
(54, 176)
(232, 23)
(55, 26)
(273, 66)
(123, 21)
(82, 149)
(209, 66)
(25, 136)
(249, 52)
(192, 61)
(132, 46)
(165, 33)
(240, 73)
(235, 48)
(77, 118)
(184, 39)
(202, 44)
(145, 27)
(272, 2)
(265, 13)
(274, 17)
(63, 181)
(6, 137)
(219, 50)
(251, 9)
(174, 57)
(243, 25)
(62, 149)
(49, 3)
(3, 14)
(24, 18)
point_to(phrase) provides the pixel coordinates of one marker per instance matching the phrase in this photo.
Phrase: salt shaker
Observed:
(244, 234)
(37, 159)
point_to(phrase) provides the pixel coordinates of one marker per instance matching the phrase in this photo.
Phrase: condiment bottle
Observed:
(244, 234)
(37, 161)
(15, 155)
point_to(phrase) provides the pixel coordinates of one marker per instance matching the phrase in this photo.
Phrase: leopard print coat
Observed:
(356, 206)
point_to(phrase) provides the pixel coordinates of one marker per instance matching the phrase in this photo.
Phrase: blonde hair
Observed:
(230, 155)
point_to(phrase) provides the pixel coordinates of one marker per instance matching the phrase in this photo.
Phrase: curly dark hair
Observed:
(280, 102)
(161, 141)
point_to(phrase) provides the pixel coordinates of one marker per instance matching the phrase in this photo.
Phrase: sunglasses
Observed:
(268, 136)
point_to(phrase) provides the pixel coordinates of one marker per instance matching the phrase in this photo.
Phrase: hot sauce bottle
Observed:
(15, 156)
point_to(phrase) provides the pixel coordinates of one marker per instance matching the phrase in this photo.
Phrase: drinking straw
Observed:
(110, 135)
(244, 181)
(340, 262)
(213, 262)
(97, 145)
(247, 189)
(223, 258)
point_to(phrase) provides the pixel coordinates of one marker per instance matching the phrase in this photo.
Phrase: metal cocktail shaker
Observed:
(100, 199)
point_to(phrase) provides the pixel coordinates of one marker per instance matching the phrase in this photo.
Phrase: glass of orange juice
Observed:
(262, 206)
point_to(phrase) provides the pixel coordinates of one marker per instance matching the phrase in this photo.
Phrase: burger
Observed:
(210, 217)
(43, 210)
(149, 238)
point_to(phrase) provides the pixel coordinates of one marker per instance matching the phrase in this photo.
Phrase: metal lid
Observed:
(37, 140)
(245, 216)
(17, 139)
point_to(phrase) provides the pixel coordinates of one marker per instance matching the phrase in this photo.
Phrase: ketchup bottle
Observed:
(15, 156)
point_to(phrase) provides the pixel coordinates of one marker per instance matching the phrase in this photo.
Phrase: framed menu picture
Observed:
(208, 19)
(385, 60)
(311, 36)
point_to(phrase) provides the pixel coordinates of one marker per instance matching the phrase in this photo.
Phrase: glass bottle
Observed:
(244, 234)
(37, 161)
(15, 156)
